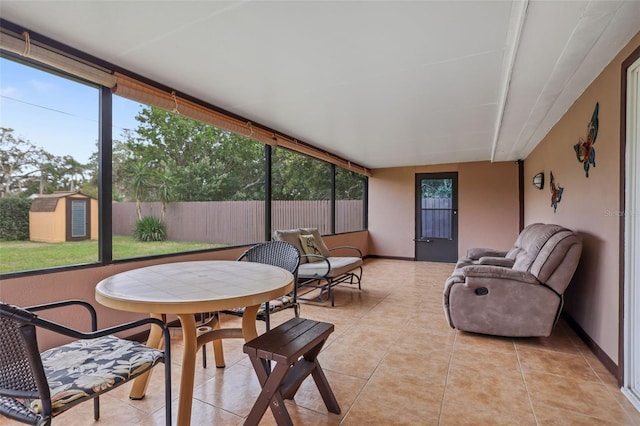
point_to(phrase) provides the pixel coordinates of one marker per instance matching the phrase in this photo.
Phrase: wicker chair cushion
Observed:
(275, 305)
(79, 370)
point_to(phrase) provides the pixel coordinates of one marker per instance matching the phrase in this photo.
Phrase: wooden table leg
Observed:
(249, 330)
(218, 352)
(139, 387)
(187, 376)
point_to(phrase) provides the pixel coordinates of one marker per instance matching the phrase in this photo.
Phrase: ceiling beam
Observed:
(516, 24)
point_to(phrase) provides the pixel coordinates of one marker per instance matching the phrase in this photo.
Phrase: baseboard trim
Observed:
(375, 256)
(609, 364)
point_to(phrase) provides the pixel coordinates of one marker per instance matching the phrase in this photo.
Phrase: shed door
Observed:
(77, 219)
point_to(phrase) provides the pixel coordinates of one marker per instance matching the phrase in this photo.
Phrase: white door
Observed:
(631, 386)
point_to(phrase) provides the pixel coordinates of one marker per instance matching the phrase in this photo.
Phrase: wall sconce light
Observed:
(538, 180)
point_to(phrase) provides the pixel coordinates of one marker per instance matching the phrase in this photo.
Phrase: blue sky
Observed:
(55, 113)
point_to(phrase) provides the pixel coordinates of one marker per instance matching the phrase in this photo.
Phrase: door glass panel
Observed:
(436, 208)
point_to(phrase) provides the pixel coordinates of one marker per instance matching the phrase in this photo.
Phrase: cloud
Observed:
(42, 86)
(10, 92)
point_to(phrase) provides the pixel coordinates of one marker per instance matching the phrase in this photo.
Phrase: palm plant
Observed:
(140, 184)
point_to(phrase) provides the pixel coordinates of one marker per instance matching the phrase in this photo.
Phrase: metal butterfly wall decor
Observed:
(585, 152)
(556, 193)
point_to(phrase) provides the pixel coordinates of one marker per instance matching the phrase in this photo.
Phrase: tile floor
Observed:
(393, 360)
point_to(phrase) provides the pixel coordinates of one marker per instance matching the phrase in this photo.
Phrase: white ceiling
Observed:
(379, 83)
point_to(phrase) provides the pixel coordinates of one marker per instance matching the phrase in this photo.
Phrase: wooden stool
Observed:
(294, 346)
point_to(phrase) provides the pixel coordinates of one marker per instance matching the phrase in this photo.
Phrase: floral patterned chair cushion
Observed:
(78, 371)
(275, 305)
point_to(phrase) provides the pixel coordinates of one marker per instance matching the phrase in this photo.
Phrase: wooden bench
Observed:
(294, 347)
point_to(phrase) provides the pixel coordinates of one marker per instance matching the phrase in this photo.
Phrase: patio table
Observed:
(189, 288)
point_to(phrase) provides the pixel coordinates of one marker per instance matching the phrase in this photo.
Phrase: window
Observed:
(203, 185)
(350, 188)
(301, 192)
(48, 132)
(178, 184)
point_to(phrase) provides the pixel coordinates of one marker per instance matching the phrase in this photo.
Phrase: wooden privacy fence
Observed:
(436, 217)
(238, 222)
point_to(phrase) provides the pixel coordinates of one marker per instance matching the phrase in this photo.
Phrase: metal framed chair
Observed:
(277, 253)
(35, 387)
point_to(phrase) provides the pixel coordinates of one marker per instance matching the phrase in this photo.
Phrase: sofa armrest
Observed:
(496, 261)
(476, 253)
(498, 272)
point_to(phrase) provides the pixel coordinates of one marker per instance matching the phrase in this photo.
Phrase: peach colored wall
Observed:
(589, 205)
(488, 213)
(80, 284)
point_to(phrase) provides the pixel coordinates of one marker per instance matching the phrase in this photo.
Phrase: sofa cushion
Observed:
(292, 236)
(339, 266)
(310, 246)
(316, 235)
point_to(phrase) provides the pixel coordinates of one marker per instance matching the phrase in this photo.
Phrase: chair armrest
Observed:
(496, 261)
(347, 248)
(476, 253)
(73, 302)
(499, 273)
(83, 335)
(94, 333)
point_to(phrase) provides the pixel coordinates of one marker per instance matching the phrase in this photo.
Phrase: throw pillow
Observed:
(310, 246)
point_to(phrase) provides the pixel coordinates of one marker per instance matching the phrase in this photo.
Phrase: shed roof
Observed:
(48, 202)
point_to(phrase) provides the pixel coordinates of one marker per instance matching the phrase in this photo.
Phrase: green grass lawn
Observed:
(26, 255)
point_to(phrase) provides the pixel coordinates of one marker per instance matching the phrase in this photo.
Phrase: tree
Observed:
(165, 193)
(27, 169)
(186, 160)
(349, 185)
(140, 178)
(191, 161)
(298, 177)
(437, 188)
(20, 162)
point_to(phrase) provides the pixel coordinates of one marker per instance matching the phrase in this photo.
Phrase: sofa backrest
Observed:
(549, 252)
(292, 236)
(558, 260)
(523, 238)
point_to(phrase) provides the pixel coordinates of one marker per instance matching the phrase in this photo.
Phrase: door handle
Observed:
(422, 240)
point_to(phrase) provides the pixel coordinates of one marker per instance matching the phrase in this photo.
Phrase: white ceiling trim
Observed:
(518, 16)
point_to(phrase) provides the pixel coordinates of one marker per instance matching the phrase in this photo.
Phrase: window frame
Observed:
(105, 145)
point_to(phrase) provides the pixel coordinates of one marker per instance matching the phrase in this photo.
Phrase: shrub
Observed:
(150, 228)
(14, 218)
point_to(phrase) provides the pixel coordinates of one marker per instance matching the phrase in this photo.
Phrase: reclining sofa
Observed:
(513, 293)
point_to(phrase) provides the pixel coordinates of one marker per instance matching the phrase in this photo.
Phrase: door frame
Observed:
(630, 306)
(69, 219)
(418, 208)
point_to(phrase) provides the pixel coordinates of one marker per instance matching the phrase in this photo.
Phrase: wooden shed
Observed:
(63, 216)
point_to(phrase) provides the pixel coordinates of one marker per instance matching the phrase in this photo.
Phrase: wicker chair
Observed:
(35, 387)
(276, 253)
